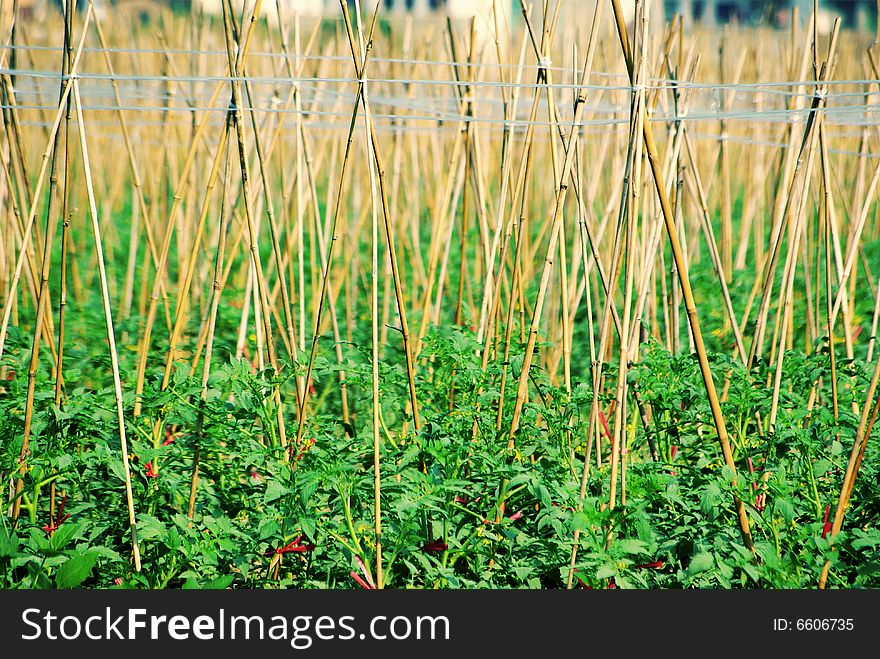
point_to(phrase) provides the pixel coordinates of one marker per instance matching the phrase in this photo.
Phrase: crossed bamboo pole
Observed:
(684, 282)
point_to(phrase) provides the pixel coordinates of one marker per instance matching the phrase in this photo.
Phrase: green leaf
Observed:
(632, 546)
(542, 494)
(149, 527)
(106, 552)
(866, 541)
(728, 474)
(786, 509)
(869, 569)
(751, 570)
(75, 570)
(605, 572)
(116, 468)
(274, 490)
(8, 542)
(624, 583)
(700, 563)
(523, 571)
(309, 526)
(581, 522)
(711, 498)
(64, 534)
(220, 583)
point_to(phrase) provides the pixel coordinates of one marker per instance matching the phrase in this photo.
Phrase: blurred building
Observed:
(456, 9)
(855, 14)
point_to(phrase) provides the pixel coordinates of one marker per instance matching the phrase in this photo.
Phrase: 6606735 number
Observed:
(824, 624)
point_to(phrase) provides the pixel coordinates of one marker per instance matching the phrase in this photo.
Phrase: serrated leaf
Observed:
(106, 552)
(8, 542)
(866, 541)
(219, 583)
(579, 522)
(700, 563)
(149, 527)
(751, 570)
(64, 534)
(786, 509)
(75, 570)
(605, 572)
(632, 546)
(308, 526)
(116, 468)
(274, 491)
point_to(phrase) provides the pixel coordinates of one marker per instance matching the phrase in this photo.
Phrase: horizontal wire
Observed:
(655, 84)
(832, 109)
(191, 101)
(275, 55)
(321, 96)
(620, 114)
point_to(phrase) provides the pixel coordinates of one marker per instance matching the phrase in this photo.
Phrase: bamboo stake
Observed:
(555, 219)
(327, 257)
(687, 293)
(389, 235)
(216, 292)
(108, 316)
(43, 292)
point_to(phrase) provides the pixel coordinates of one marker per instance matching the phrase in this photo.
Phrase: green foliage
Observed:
(460, 508)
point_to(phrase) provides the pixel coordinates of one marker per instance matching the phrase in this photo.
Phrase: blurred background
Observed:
(859, 15)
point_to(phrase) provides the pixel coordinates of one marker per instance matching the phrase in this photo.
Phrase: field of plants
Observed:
(556, 299)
